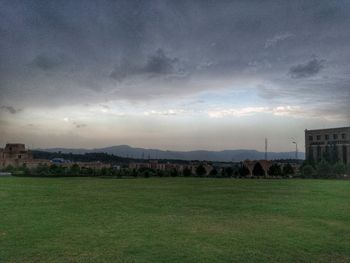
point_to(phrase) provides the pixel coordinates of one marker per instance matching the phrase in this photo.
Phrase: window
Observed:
(335, 136)
(343, 136)
(326, 137)
(310, 138)
(318, 137)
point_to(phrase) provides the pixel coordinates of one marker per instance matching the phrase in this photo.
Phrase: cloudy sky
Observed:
(176, 75)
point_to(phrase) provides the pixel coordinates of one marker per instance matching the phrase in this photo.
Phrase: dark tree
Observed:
(323, 169)
(243, 171)
(200, 170)
(258, 170)
(307, 171)
(288, 170)
(229, 171)
(74, 170)
(187, 172)
(275, 170)
(174, 173)
(214, 172)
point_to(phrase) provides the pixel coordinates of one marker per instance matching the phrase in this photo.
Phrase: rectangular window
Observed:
(318, 137)
(326, 137)
(335, 136)
(343, 136)
(310, 138)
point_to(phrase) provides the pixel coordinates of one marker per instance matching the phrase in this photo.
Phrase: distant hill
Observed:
(201, 155)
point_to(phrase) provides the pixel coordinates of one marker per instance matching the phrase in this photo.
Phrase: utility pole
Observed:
(296, 148)
(265, 148)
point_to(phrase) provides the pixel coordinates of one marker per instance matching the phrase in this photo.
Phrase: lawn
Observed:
(173, 220)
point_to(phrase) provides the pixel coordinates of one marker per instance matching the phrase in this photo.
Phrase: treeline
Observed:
(86, 157)
(324, 169)
(321, 169)
(234, 171)
(94, 157)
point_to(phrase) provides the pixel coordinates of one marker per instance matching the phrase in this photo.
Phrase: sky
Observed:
(177, 75)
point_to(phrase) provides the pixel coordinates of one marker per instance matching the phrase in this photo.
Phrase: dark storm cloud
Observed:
(77, 49)
(157, 64)
(47, 62)
(307, 69)
(10, 109)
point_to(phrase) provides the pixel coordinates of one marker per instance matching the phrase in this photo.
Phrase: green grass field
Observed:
(173, 220)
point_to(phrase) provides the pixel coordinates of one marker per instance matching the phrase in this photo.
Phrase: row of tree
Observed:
(324, 169)
(237, 171)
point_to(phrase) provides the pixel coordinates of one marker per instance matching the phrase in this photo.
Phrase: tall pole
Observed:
(265, 148)
(296, 150)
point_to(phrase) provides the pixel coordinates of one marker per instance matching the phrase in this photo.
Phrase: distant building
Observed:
(329, 144)
(15, 154)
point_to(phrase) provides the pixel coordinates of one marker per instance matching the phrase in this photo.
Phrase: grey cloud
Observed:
(307, 69)
(10, 109)
(157, 64)
(201, 42)
(47, 62)
(277, 38)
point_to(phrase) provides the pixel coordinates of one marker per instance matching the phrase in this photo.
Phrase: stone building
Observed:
(15, 154)
(330, 144)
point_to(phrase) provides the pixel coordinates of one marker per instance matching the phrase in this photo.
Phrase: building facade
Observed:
(329, 144)
(16, 154)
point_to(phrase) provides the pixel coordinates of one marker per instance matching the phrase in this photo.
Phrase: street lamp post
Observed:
(296, 150)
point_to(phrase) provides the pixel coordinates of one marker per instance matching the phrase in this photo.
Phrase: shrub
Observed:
(174, 173)
(200, 170)
(275, 170)
(214, 172)
(187, 172)
(339, 169)
(307, 171)
(229, 171)
(243, 171)
(288, 170)
(323, 169)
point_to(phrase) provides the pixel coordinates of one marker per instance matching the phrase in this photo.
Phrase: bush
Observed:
(307, 171)
(339, 169)
(243, 171)
(74, 170)
(323, 169)
(275, 170)
(229, 171)
(200, 170)
(213, 172)
(174, 173)
(288, 170)
(187, 172)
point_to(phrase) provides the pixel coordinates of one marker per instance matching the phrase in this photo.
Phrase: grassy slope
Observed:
(173, 220)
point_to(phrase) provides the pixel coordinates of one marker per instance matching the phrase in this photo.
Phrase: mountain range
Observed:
(201, 155)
